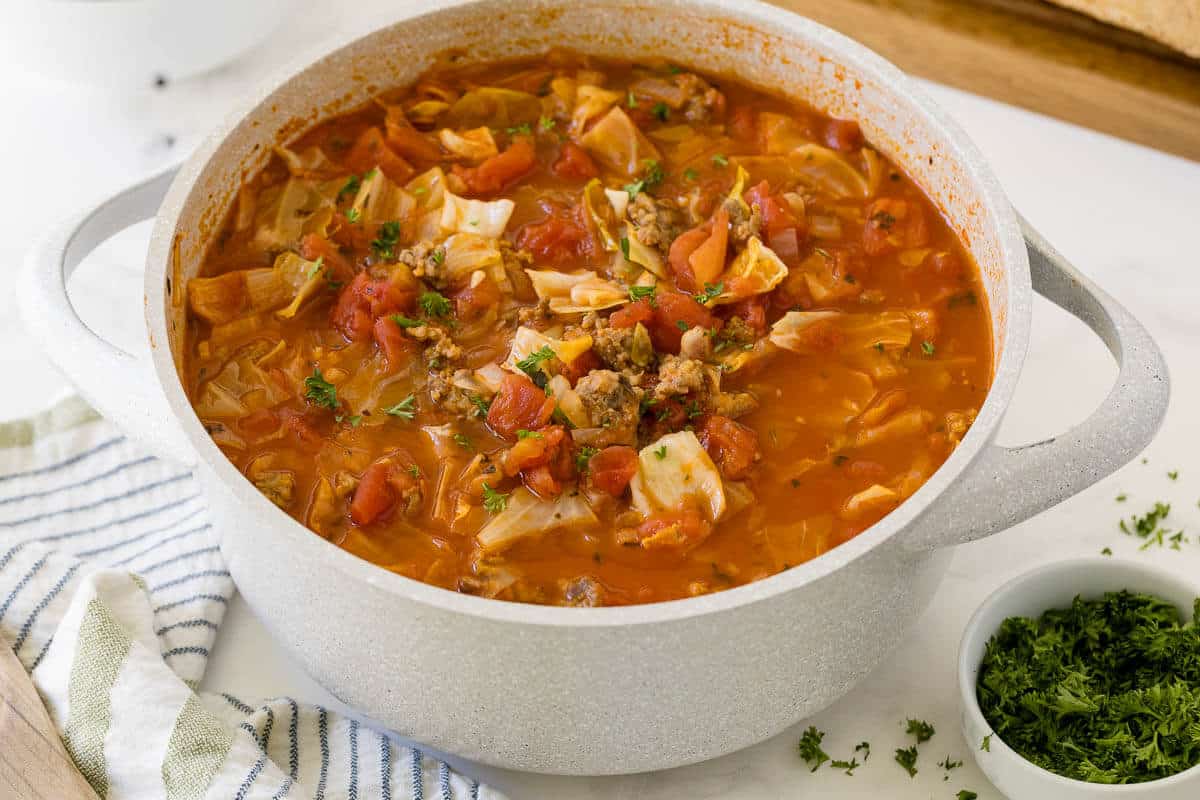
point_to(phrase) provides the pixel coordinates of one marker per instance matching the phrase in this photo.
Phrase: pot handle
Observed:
(121, 386)
(1006, 485)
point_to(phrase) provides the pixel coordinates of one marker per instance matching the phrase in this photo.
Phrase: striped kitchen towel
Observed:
(112, 589)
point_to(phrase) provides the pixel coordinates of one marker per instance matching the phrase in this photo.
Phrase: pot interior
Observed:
(757, 44)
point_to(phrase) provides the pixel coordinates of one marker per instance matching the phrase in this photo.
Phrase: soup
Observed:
(576, 331)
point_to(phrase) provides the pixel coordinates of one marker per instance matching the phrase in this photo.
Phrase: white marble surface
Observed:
(1126, 215)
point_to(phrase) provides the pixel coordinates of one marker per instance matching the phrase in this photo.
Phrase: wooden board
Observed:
(1036, 56)
(34, 765)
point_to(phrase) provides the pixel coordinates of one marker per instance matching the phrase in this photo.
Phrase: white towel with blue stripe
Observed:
(112, 589)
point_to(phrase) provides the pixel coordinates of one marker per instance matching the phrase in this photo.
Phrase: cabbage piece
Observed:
(675, 134)
(660, 90)
(490, 376)
(428, 189)
(619, 200)
(618, 144)
(755, 270)
(873, 500)
(828, 172)
(601, 213)
(815, 332)
(486, 218)
(576, 292)
(467, 252)
(308, 163)
(527, 515)
(591, 102)
(736, 358)
(644, 255)
(224, 298)
(240, 387)
(780, 133)
(426, 112)
(569, 401)
(674, 474)
(527, 341)
(379, 200)
(287, 212)
(473, 145)
(837, 395)
(493, 107)
(312, 279)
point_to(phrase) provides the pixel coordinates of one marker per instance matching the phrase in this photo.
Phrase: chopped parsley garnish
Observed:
(810, 748)
(438, 256)
(949, 764)
(864, 748)
(1106, 551)
(494, 501)
(637, 293)
(907, 758)
(528, 434)
(316, 267)
(821, 251)
(693, 409)
(652, 175)
(531, 364)
(1173, 474)
(683, 326)
(524, 129)
(986, 744)
(353, 215)
(1148, 527)
(405, 409)
(690, 174)
(625, 247)
(435, 304)
(546, 123)
(389, 234)
(661, 453)
(848, 766)
(966, 794)
(927, 347)
(406, 322)
(351, 186)
(661, 110)
(482, 405)
(920, 729)
(464, 441)
(415, 471)
(711, 290)
(1104, 691)
(319, 391)
(1122, 497)
(420, 190)
(720, 160)
(583, 456)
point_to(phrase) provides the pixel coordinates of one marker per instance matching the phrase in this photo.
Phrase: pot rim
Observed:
(994, 206)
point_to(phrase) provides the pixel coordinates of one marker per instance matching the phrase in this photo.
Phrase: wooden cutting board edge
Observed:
(1069, 71)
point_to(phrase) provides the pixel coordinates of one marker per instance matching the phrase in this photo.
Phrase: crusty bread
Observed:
(1175, 23)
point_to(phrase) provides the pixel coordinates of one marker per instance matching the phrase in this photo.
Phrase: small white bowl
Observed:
(1030, 595)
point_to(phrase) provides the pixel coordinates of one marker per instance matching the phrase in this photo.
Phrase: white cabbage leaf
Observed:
(473, 145)
(755, 270)
(486, 218)
(675, 473)
(527, 515)
(618, 144)
(815, 332)
(576, 292)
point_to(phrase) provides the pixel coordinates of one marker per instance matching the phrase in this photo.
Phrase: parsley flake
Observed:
(464, 441)
(524, 129)
(637, 293)
(661, 453)
(927, 347)
(711, 291)
(907, 758)
(583, 456)
(405, 409)
(625, 247)
(531, 364)
(319, 391)
(690, 174)
(920, 729)
(389, 234)
(720, 160)
(353, 215)
(546, 123)
(351, 186)
(810, 748)
(406, 322)
(661, 110)
(528, 434)
(435, 304)
(494, 501)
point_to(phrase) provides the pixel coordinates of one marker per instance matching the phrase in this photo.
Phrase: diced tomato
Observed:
(871, 471)
(582, 365)
(708, 260)
(630, 314)
(732, 445)
(612, 469)
(674, 531)
(573, 163)
(382, 485)
(304, 425)
(370, 150)
(946, 265)
(519, 404)
(562, 238)
(743, 124)
(535, 450)
(894, 224)
(260, 422)
(501, 170)
(364, 300)
(681, 252)
(472, 301)
(314, 246)
(542, 482)
(671, 309)
(753, 310)
(843, 135)
(397, 348)
(407, 141)
(374, 495)
(347, 234)
(782, 231)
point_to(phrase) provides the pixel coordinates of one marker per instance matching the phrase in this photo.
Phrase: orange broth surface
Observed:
(756, 343)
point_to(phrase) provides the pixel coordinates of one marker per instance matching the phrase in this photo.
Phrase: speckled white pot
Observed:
(608, 690)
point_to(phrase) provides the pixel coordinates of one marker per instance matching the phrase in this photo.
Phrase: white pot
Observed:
(607, 690)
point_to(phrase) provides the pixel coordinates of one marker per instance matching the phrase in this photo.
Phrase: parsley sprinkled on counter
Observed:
(906, 757)
(920, 729)
(1105, 691)
(810, 748)
(319, 391)
(966, 794)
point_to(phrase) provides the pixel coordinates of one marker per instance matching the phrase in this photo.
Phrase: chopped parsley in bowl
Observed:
(1082, 680)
